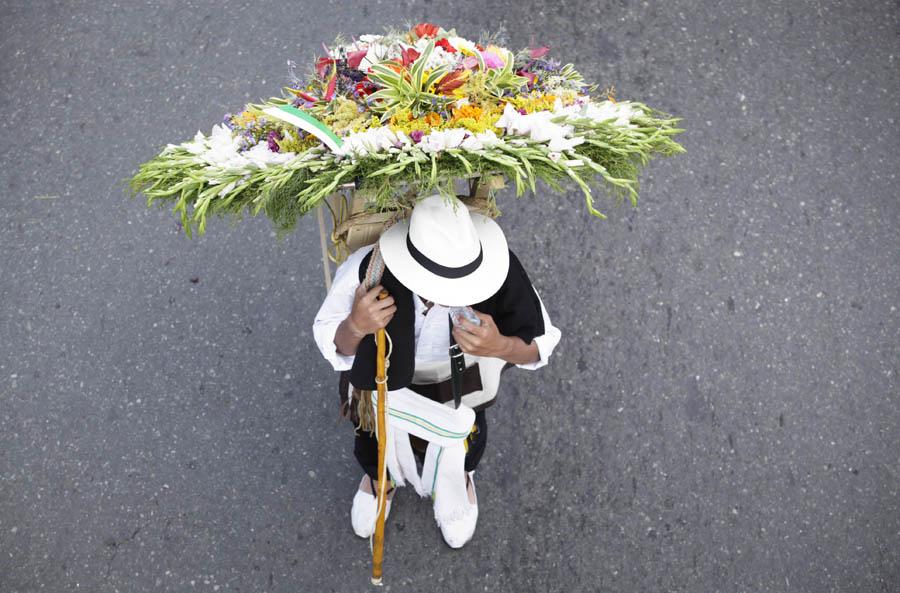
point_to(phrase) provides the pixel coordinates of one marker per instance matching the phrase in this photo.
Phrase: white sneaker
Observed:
(364, 512)
(459, 527)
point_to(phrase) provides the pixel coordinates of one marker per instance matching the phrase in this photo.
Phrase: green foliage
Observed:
(500, 80)
(611, 157)
(407, 89)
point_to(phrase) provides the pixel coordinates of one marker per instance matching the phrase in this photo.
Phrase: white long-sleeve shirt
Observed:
(432, 330)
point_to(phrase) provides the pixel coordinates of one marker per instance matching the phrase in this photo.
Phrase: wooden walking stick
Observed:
(381, 423)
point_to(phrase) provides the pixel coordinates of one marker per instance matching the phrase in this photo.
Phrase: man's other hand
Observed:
(481, 340)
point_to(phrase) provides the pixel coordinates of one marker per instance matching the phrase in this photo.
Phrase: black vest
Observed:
(515, 308)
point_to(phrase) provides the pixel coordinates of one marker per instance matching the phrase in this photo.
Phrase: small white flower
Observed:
(378, 53)
(463, 45)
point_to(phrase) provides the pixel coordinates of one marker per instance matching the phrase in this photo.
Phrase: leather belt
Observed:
(443, 392)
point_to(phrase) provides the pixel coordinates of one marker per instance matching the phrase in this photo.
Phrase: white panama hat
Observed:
(446, 254)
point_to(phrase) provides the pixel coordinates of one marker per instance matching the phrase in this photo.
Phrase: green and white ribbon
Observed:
(306, 122)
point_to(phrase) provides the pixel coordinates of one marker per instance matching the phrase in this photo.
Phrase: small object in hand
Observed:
(467, 313)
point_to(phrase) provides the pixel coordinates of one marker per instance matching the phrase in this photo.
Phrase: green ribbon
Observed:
(305, 122)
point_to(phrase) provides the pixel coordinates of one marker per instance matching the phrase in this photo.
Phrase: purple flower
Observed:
(273, 145)
(416, 136)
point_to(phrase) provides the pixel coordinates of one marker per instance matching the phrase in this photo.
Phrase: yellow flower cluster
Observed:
(292, 144)
(245, 119)
(346, 117)
(471, 117)
(533, 102)
(404, 121)
(475, 119)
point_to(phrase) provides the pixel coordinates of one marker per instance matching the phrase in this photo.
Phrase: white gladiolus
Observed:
(538, 127)
(442, 140)
(488, 138)
(220, 150)
(261, 157)
(373, 140)
(620, 112)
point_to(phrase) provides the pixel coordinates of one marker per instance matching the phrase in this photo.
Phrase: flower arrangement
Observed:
(415, 109)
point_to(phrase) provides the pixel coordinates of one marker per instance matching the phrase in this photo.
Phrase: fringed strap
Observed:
(374, 272)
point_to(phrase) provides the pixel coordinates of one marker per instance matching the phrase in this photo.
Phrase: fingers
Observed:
(383, 303)
(468, 342)
(384, 317)
(486, 320)
(369, 312)
(372, 294)
(477, 330)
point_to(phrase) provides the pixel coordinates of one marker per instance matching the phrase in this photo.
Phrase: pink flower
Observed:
(470, 62)
(492, 60)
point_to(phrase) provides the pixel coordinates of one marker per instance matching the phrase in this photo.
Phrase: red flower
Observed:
(409, 55)
(426, 30)
(304, 96)
(364, 88)
(332, 83)
(323, 67)
(355, 57)
(443, 43)
(529, 75)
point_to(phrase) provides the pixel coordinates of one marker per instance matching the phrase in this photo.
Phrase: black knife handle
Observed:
(457, 367)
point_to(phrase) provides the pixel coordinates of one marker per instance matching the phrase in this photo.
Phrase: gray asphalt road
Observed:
(720, 415)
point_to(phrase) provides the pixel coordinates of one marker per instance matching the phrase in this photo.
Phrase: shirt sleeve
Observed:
(336, 307)
(546, 342)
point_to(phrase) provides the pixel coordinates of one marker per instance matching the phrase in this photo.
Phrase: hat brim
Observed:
(451, 292)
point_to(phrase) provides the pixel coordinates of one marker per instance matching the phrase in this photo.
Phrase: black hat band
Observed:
(444, 271)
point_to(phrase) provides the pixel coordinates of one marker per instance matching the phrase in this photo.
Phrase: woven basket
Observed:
(352, 227)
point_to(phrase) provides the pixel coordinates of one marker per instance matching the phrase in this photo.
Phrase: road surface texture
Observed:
(721, 414)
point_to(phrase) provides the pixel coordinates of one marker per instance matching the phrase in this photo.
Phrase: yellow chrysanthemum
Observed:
(534, 102)
(433, 119)
(467, 111)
